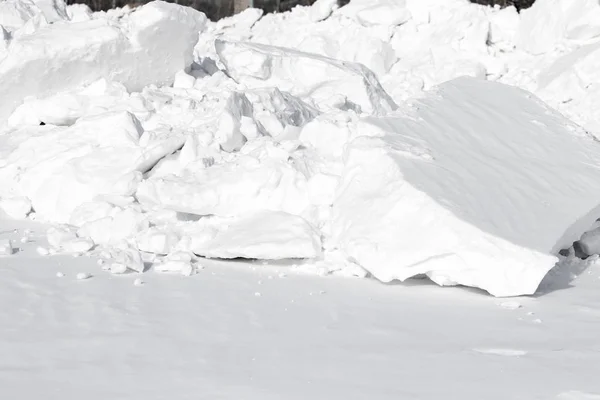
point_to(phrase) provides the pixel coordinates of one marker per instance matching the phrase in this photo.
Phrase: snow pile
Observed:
(478, 190)
(144, 47)
(347, 136)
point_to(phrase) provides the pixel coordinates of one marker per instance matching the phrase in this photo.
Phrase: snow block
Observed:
(477, 184)
(60, 168)
(306, 75)
(264, 235)
(145, 47)
(549, 22)
(377, 12)
(231, 189)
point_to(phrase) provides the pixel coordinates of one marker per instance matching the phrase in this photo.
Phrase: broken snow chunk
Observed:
(264, 235)
(157, 241)
(145, 47)
(183, 80)
(57, 236)
(125, 260)
(377, 12)
(480, 202)
(114, 229)
(177, 261)
(259, 65)
(242, 186)
(589, 243)
(78, 245)
(6, 248)
(322, 9)
(42, 251)
(16, 207)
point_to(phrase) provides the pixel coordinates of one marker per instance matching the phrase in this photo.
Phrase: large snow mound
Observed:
(479, 184)
(338, 135)
(147, 46)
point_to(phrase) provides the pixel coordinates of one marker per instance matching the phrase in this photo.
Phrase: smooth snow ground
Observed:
(253, 331)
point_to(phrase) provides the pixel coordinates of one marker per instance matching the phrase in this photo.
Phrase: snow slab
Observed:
(265, 235)
(327, 81)
(477, 184)
(147, 46)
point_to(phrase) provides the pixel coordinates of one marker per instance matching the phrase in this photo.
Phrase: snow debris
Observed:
(510, 305)
(263, 235)
(58, 235)
(6, 248)
(16, 207)
(260, 65)
(144, 47)
(77, 246)
(364, 140)
(60, 275)
(138, 282)
(454, 208)
(177, 261)
(126, 259)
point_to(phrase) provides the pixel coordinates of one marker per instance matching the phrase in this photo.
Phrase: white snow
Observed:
(263, 235)
(348, 138)
(144, 47)
(6, 248)
(16, 207)
(479, 198)
(209, 335)
(323, 79)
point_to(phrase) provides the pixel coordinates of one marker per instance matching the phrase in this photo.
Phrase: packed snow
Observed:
(390, 139)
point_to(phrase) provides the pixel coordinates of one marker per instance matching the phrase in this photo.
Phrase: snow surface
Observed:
(253, 331)
(366, 139)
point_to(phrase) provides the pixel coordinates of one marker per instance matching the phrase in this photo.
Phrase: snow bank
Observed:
(479, 185)
(147, 46)
(327, 81)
